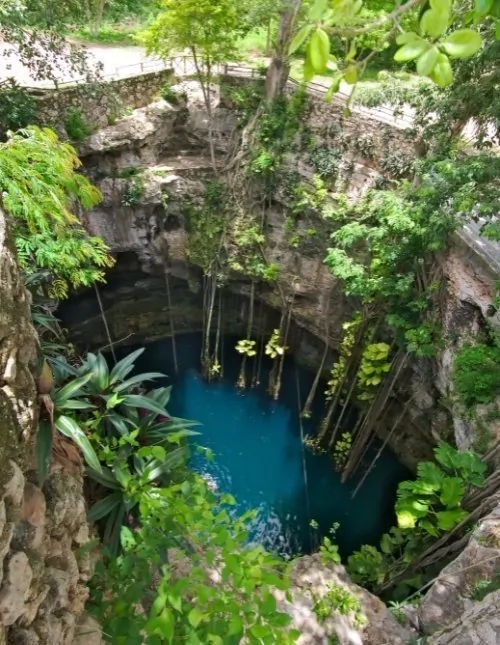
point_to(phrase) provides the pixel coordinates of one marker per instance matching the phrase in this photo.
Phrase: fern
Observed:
(40, 189)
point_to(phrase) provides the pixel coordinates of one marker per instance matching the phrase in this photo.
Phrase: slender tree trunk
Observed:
(279, 69)
(204, 80)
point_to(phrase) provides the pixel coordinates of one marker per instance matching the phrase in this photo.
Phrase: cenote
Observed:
(259, 457)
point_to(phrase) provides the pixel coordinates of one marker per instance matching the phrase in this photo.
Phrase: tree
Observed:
(441, 35)
(209, 30)
(40, 189)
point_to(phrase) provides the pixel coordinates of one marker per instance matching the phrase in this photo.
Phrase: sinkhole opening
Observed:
(259, 456)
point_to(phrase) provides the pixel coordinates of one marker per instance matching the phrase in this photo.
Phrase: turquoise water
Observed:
(259, 454)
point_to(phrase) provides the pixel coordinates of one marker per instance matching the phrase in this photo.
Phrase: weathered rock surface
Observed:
(375, 625)
(453, 610)
(42, 590)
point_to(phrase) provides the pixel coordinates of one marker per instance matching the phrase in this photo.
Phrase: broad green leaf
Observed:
(483, 7)
(235, 626)
(175, 601)
(427, 526)
(140, 401)
(497, 30)
(407, 37)
(351, 74)
(139, 378)
(406, 519)
(100, 375)
(124, 367)
(268, 605)
(299, 38)
(445, 454)
(195, 617)
(104, 477)
(319, 49)
(334, 87)
(426, 62)
(448, 519)
(429, 472)
(75, 404)
(127, 538)
(104, 506)
(386, 544)
(434, 22)
(452, 491)
(411, 50)
(70, 389)
(317, 10)
(43, 450)
(70, 428)
(462, 43)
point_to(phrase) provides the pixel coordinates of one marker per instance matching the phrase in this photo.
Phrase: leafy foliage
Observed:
(17, 108)
(75, 124)
(48, 235)
(188, 536)
(438, 39)
(341, 600)
(476, 374)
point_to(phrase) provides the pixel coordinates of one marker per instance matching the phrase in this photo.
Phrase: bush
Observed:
(476, 374)
(169, 95)
(75, 124)
(17, 108)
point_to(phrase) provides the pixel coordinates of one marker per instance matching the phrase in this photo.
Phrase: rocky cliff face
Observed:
(42, 575)
(167, 146)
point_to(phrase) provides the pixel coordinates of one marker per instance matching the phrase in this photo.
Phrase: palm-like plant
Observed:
(128, 440)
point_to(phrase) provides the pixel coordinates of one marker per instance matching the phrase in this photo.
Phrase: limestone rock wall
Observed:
(42, 574)
(98, 102)
(463, 606)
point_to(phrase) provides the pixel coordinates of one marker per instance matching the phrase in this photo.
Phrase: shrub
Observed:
(476, 374)
(17, 108)
(75, 124)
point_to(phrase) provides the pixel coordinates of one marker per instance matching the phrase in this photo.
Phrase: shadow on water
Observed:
(259, 454)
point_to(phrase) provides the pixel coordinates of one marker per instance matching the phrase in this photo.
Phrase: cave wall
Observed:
(42, 573)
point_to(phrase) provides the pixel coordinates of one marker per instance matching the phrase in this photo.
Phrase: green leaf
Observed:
(406, 519)
(104, 477)
(124, 367)
(428, 527)
(43, 450)
(434, 22)
(334, 87)
(319, 50)
(462, 43)
(426, 62)
(105, 506)
(195, 617)
(175, 601)
(70, 428)
(75, 404)
(430, 473)
(407, 37)
(317, 10)
(308, 68)
(448, 519)
(127, 538)
(452, 492)
(140, 401)
(446, 455)
(235, 627)
(268, 605)
(139, 378)
(483, 7)
(351, 74)
(71, 388)
(100, 374)
(386, 544)
(497, 30)
(411, 50)
(299, 38)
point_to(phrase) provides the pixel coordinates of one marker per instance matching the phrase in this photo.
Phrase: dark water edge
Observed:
(259, 455)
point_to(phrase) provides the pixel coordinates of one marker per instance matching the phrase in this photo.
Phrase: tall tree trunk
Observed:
(279, 69)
